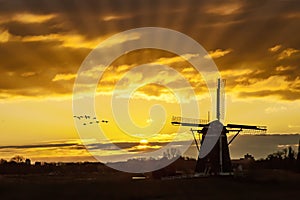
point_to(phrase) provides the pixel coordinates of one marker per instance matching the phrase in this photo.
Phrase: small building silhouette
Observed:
(28, 161)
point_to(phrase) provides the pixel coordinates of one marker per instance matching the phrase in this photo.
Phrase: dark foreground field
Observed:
(261, 185)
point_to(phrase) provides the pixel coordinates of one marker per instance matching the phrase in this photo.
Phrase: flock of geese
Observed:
(89, 118)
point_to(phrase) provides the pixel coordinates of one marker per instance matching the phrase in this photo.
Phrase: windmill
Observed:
(214, 155)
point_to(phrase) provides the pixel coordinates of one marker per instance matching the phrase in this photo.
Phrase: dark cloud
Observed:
(283, 94)
(34, 29)
(249, 28)
(274, 134)
(43, 60)
(33, 146)
(129, 146)
(132, 146)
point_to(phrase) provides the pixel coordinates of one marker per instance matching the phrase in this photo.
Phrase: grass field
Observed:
(263, 185)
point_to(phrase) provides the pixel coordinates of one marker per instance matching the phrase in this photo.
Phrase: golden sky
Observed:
(255, 45)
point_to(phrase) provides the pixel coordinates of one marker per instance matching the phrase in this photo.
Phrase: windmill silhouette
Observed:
(214, 155)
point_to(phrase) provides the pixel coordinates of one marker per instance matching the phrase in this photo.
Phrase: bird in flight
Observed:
(87, 119)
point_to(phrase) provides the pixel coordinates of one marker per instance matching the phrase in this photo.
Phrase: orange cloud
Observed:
(67, 40)
(26, 18)
(275, 48)
(64, 77)
(175, 59)
(218, 53)
(224, 9)
(114, 17)
(28, 74)
(4, 36)
(32, 18)
(283, 68)
(287, 53)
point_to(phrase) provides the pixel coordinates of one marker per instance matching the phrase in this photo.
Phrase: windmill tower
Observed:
(217, 160)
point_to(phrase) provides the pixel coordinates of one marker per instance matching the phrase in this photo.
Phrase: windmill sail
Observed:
(220, 100)
(183, 121)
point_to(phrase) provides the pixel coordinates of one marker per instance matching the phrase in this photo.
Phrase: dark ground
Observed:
(267, 184)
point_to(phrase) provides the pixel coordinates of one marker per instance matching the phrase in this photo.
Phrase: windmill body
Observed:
(211, 164)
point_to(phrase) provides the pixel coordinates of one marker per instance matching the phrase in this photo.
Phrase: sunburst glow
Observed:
(143, 142)
(42, 46)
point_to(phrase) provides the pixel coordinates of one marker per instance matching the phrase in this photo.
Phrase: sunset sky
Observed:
(255, 45)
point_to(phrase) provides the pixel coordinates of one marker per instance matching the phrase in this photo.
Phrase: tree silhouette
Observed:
(276, 155)
(2, 161)
(291, 153)
(17, 159)
(171, 153)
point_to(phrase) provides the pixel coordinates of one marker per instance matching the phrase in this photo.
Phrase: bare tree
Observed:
(171, 153)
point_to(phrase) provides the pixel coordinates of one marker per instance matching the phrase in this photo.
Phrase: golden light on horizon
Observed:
(143, 142)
